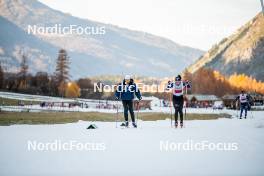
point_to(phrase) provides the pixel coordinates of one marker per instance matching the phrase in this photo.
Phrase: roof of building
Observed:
(150, 98)
(229, 97)
(200, 97)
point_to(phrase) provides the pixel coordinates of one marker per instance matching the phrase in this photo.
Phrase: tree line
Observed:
(208, 81)
(204, 81)
(56, 84)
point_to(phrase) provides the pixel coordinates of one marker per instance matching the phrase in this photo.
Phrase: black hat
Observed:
(178, 78)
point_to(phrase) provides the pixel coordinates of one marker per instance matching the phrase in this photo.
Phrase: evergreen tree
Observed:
(22, 75)
(1, 77)
(62, 71)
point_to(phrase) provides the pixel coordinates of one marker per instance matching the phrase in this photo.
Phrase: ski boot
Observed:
(124, 124)
(176, 124)
(134, 124)
(181, 124)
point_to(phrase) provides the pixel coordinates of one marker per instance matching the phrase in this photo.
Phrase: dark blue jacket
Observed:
(127, 91)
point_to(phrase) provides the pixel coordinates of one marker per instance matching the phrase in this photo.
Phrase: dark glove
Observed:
(117, 98)
(140, 98)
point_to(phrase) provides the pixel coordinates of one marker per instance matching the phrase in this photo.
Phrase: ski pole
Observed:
(116, 112)
(170, 101)
(185, 114)
(237, 109)
(185, 107)
(137, 112)
(117, 108)
(251, 112)
(170, 97)
(249, 106)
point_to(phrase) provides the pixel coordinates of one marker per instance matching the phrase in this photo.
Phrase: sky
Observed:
(195, 23)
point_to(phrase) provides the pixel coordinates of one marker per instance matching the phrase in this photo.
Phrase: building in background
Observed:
(202, 101)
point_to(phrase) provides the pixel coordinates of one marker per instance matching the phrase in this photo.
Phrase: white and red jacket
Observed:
(177, 87)
(243, 98)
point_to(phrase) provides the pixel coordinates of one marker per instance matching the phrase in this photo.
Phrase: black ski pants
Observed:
(178, 106)
(128, 106)
(243, 106)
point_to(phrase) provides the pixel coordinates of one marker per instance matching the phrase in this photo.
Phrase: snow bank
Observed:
(136, 151)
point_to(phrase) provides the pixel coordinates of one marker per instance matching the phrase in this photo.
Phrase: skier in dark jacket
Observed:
(178, 88)
(125, 92)
(244, 100)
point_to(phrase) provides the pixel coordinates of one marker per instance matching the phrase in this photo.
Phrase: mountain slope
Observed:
(15, 39)
(118, 51)
(242, 52)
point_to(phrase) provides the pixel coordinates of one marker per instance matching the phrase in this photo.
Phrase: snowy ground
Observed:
(136, 151)
(29, 97)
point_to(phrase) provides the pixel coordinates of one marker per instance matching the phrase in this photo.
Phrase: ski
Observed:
(179, 127)
(124, 126)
